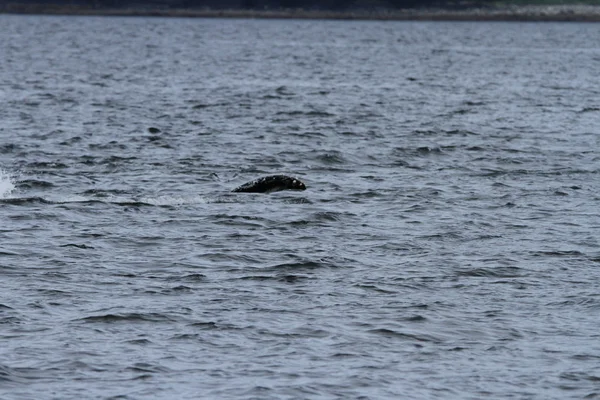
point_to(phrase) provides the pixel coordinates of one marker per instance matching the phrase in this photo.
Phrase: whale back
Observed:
(272, 183)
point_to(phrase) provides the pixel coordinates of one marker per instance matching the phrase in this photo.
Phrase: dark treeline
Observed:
(333, 5)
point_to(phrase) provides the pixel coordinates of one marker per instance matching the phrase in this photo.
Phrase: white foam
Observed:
(69, 199)
(174, 200)
(155, 201)
(6, 184)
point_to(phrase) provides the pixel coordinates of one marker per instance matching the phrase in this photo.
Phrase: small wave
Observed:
(52, 200)
(284, 91)
(500, 272)
(46, 165)
(321, 218)
(306, 134)
(129, 317)
(307, 265)
(34, 183)
(559, 253)
(6, 184)
(311, 113)
(298, 200)
(9, 148)
(115, 160)
(204, 105)
(146, 368)
(460, 132)
(70, 199)
(405, 336)
(580, 376)
(333, 157)
(24, 200)
(105, 197)
(590, 109)
(8, 374)
(79, 246)
(104, 192)
(421, 151)
(286, 278)
(187, 278)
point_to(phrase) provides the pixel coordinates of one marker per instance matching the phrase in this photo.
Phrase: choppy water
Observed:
(447, 245)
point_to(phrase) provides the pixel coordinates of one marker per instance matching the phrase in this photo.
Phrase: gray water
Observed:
(446, 247)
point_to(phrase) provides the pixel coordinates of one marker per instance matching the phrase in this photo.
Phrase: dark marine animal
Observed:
(272, 183)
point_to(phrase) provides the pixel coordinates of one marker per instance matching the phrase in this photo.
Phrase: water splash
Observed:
(6, 184)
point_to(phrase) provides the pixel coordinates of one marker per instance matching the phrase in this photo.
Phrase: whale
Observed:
(270, 184)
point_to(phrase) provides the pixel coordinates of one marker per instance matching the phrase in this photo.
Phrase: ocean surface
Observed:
(447, 246)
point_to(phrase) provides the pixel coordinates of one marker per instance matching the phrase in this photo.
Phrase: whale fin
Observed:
(272, 183)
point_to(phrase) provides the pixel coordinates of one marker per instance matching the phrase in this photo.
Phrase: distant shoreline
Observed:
(534, 13)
